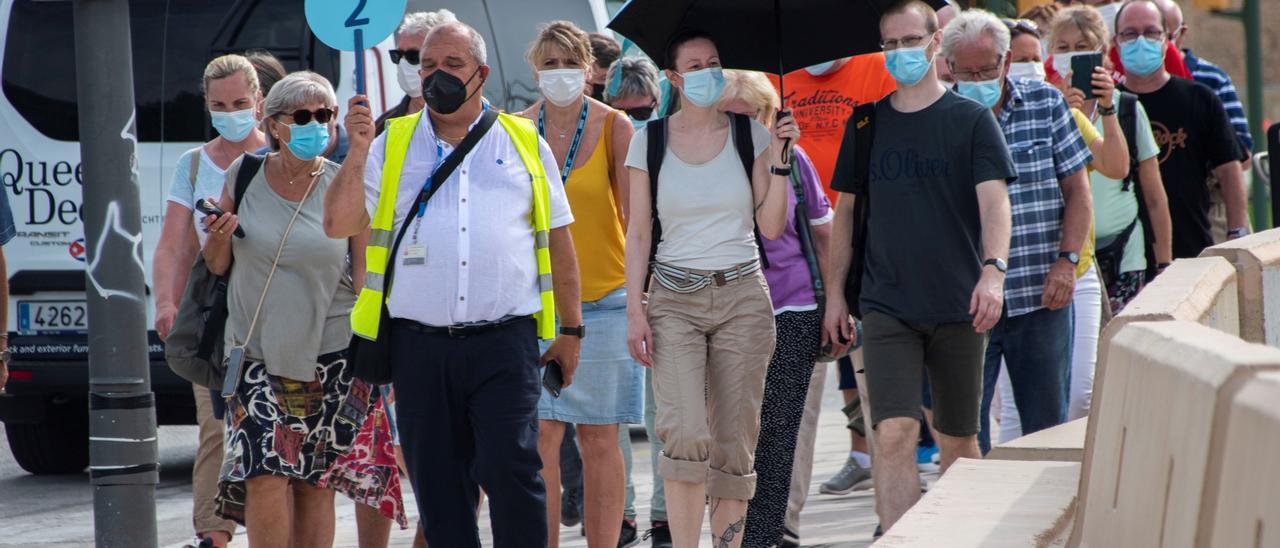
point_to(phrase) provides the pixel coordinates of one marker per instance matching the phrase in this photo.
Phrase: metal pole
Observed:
(1254, 102)
(122, 422)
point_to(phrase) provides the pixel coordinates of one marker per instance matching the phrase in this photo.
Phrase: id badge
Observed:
(415, 255)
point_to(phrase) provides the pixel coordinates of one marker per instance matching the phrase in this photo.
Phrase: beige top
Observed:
(307, 310)
(706, 209)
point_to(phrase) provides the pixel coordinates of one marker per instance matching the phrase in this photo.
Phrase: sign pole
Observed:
(122, 422)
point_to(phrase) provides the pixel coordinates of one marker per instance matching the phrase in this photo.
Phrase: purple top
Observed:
(788, 273)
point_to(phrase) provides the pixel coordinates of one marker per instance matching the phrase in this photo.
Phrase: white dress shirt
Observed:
(477, 229)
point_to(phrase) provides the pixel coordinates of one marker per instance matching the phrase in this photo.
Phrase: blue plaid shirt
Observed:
(1217, 79)
(1046, 147)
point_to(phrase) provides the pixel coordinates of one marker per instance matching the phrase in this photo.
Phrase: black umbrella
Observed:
(751, 34)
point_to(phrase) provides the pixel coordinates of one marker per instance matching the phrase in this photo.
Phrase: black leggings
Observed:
(785, 387)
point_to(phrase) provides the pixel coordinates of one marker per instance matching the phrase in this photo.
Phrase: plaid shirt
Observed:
(1217, 79)
(1046, 147)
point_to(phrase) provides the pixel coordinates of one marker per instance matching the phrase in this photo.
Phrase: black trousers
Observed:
(467, 411)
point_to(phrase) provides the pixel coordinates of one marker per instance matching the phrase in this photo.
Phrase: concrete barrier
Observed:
(1158, 420)
(1256, 259)
(1064, 442)
(992, 504)
(1242, 501)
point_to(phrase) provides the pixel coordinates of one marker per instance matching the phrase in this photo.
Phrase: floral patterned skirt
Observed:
(331, 432)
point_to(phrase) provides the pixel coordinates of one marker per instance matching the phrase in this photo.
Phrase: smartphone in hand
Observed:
(1082, 72)
(553, 378)
(206, 206)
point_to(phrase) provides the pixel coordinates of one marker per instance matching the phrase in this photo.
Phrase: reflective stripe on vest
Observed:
(367, 314)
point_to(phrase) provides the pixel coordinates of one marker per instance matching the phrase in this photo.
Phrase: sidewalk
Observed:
(827, 521)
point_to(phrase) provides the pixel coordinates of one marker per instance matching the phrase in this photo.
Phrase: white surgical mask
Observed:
(1109, 15)
(407, 76)
(562, 87)
(1062, 61)
(1027, 71)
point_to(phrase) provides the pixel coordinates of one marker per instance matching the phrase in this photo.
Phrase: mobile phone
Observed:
(553, 378)
(1082, 72)
(206, 206)
(235, 366)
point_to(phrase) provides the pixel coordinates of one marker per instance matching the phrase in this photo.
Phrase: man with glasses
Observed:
(1217, 79)
(1191, 127)
(937, 235)
(409, 37)
(1052, 212)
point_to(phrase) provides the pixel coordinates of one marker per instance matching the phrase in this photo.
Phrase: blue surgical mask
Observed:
(703, 87)
(986, 93)
(820, 68)
(908, 65)
(234, 126)
(1142, 56)
(309, 140)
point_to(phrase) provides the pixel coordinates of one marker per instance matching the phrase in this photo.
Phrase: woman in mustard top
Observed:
(608, 387)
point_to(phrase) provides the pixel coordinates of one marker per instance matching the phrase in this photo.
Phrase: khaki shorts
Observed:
(711, 349)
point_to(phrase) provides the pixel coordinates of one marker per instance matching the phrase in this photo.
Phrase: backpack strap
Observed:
(864, 117)
(195, 167)
(862, 124)
(656, 134)
(1128, 117)
(745, 144)
(249, 166)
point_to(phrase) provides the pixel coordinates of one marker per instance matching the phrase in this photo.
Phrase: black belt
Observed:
(459, 331)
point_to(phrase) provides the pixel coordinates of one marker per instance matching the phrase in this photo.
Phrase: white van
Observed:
(44, 408)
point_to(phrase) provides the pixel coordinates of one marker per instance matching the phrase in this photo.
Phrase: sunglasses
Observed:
(410, 55)
(303, 117)
(639, 113)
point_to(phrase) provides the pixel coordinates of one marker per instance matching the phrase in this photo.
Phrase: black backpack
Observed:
(1109, 257)
(863, 125)
(740, 130)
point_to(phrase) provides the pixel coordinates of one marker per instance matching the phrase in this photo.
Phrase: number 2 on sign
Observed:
(352, 21)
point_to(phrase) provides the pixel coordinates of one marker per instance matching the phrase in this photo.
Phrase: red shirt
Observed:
(822, 104)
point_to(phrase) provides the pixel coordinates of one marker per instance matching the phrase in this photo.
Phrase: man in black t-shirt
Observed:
(1191, 127)
(937, 240)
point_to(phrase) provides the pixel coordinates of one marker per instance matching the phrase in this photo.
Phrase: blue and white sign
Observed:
(348, 25)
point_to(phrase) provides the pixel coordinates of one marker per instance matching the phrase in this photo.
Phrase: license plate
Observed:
(37, 317)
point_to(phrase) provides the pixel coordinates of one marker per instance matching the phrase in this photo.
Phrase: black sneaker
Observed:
(570, 514)
(660, 534)
(629, 536)
(790, 539)
(879, 533)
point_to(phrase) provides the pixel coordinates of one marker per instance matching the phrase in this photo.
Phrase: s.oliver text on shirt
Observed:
(908, 164)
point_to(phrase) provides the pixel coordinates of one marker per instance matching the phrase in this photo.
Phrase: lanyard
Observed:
(577, 138)
(422, 207)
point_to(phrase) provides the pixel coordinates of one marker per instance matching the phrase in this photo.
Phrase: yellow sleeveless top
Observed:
(598, 236)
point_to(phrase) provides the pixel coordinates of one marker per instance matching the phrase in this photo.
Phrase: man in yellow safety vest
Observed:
(482, 261)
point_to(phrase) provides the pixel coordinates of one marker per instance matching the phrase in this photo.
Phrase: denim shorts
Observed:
(608, 386)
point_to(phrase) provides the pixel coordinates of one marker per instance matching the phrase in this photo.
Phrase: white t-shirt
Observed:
(477, 232)
(706, 210)
(209, 183)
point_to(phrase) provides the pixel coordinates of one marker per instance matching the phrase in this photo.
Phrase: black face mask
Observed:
(597, 92)
(446, 93)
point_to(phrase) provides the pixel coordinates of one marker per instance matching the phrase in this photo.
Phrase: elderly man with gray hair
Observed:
(409, 37)
(1052, 214)
(469, 229)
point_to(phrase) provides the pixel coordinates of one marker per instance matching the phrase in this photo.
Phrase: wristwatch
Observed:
(1238, 232)
(997, 262)
(579, 332)
(1107, 111)
(780, 171)
(1071, 257)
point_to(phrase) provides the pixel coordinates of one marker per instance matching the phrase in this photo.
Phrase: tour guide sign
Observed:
(348, 25)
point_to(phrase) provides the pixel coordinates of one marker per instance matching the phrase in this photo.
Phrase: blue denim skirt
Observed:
(608, 387)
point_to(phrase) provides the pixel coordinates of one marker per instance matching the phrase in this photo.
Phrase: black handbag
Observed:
(371, 359)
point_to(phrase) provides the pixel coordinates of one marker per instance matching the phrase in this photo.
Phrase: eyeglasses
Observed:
(1129, 35)
(982, 74)
(410, 55)
(303, 116)
(911, 41)
(1022, 25)
(639, 113)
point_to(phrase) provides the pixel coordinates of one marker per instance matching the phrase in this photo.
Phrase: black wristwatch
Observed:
(780, 171)
(1071, 257)
(997, 262)
(579, 332)
(1105, 111)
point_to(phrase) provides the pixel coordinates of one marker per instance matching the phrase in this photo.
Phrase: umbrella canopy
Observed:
(776, 36)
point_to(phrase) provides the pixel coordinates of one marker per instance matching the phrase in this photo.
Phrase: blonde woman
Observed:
(588, 139)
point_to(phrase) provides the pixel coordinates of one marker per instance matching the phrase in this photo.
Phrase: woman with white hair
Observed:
(293, 422)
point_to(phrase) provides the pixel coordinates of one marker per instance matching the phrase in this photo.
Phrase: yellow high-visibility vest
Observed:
(367, 313)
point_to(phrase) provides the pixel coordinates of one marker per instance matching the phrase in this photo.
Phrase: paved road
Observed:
(57, 511)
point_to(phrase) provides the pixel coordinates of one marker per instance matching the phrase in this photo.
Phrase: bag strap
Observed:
(438, 179)
(805, 232)
(195, 167)
(1128, 117)
(864, 118)
(253, 163)
(656, 133)
(280, 250)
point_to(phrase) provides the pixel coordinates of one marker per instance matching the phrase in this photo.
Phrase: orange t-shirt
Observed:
(822, 104)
